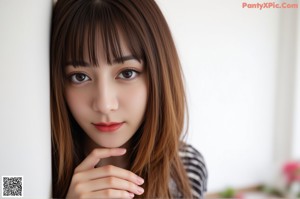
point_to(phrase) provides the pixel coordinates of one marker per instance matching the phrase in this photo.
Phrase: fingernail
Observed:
(140, 190)
(140, 180)
(131, 195)
(122, 151)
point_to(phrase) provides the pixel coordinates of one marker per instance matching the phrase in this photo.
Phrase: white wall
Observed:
(285, 87)
(231, 58)
(24, 98)
(296, 118)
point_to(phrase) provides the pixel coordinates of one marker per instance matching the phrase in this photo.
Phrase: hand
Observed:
(103, 182)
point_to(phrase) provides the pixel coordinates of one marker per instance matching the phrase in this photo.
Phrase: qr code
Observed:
(12, 186)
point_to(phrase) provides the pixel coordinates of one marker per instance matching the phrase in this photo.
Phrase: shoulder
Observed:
(195, 166)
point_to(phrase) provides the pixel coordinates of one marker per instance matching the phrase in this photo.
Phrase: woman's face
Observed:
(108, 101)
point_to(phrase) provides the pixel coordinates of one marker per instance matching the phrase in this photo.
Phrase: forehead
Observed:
(94, 46)
(107, 28)
(104, 48)
(105, 31)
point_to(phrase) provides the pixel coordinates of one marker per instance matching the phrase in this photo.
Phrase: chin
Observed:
(112, 145)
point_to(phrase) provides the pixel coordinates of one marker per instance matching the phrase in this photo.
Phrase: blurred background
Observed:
(242, 69)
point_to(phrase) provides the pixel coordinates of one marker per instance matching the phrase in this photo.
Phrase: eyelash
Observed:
(129, 70)
(73, 75)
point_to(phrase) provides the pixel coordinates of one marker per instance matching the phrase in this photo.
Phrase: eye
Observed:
(78, 78)
(128, 74)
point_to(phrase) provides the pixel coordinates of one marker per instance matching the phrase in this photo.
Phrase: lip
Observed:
(109, 126)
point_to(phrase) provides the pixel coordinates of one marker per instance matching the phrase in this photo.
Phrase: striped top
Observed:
(194, 164)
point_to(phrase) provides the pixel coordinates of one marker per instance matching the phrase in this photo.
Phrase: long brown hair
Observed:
(155, 157)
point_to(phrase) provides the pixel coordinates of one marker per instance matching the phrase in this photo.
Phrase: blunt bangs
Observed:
(107, 22)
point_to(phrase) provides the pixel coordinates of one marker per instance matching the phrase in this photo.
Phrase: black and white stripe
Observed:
(196, 170)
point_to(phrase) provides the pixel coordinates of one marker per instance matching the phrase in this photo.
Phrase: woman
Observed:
(118, 104)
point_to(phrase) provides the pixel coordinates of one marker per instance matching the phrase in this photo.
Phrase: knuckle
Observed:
(109, 169)
(76, 177)
(131, 175)
(81, 195)
(77, 188)
(124, 194)
(94, 153)
(111, 181)
(108, 193)
(131, 186)
(76, 170)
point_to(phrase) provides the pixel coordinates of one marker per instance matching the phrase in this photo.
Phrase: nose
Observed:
(105, 98)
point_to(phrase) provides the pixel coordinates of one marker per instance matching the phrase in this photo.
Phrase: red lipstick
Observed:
(109, 126)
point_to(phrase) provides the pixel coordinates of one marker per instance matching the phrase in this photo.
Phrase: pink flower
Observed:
(292, 171)
(239, 196)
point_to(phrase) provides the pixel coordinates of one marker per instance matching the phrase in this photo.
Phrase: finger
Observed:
(109, 193)
(111, 183)
(110, 171)
(94, 157)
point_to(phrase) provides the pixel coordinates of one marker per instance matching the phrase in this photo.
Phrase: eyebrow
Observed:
(124, 59)
(115, 61)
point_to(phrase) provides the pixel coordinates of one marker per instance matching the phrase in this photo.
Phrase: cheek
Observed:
(135, 99)
(76, 102)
